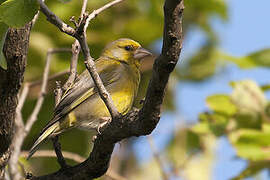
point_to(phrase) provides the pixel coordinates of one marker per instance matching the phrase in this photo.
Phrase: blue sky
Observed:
(247, 31)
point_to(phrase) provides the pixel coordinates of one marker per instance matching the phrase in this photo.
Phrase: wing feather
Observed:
(84, 87)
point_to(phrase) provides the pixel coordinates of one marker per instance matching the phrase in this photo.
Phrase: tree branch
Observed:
(80, 35)
(15, 50)
(21, 129)
(76, 48)
(72, 156)
(135, 123)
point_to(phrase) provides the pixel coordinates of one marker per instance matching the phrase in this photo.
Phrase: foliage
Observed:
(14, 13)
(242, 116)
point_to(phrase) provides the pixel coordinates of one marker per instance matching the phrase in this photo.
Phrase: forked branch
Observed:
(135, 123)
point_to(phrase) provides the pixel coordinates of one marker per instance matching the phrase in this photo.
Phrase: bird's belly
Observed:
(90, 114)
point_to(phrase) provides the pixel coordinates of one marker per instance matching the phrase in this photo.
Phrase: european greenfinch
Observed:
(81, 106)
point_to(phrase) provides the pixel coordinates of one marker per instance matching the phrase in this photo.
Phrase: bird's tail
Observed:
(45, 134)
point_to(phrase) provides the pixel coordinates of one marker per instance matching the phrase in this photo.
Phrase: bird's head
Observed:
(125, 50)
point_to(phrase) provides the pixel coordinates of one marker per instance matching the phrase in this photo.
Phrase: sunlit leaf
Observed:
(261, 58)
(251, 144)
(16, 13)
(248, 97)
(215, 123)
(221, 103)
(201, 128)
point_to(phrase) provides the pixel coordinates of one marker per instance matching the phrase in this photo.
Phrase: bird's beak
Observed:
(141, 53)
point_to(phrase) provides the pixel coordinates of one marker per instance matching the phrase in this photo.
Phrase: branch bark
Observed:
(135, 123)
(15, 50)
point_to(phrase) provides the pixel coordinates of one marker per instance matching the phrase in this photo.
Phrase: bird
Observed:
(81, 106)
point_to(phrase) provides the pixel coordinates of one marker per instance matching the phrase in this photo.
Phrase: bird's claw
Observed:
(94, 138)
(105, 121)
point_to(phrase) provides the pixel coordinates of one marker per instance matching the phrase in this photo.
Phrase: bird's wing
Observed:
(84, 87)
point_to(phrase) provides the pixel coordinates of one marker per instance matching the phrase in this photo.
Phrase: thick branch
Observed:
(164, 64)
(135, 123)
(15, 50)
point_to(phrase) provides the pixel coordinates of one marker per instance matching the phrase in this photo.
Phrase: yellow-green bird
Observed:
(81, 106)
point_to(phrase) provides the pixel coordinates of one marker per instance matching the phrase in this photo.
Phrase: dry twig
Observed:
(80, 35)
(135, 123)
(22, 129)
(76, 48)
(157, 158)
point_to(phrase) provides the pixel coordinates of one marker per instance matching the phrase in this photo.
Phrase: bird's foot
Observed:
(104, 120)
(94, 138)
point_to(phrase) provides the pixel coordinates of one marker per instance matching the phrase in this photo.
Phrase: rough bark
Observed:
(15, 50)
(135, 123)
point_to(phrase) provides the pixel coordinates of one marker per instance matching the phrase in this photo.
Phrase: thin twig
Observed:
(57, 148)
(98, 11)
(80, 35)
(89, 61)
(51, 153)
(157, 157)
(57, 93)
(90, 65)
(21, 129)
(76, 48)
(52, 77)
(56, 144)
(73, 65)
(22, 97)
(40, 100)
(72, 156)
(56, 20)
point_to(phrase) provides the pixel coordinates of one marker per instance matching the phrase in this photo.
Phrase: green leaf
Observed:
(248, 121)
(252, 169)
(261, 58)
(222, 104)
(251, 144)
(201, 128)
(216, 123)
(3, 31)
(16, 13)
(248, 97)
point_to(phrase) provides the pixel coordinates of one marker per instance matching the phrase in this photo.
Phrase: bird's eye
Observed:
(129, 48)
